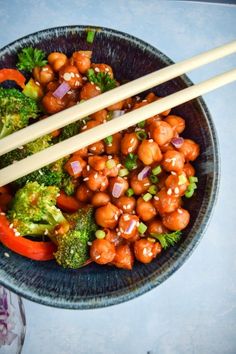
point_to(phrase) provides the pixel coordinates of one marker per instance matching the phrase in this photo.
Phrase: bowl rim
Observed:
(152, 281)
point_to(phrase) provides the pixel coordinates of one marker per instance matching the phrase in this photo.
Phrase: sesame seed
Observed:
(89, 243)
(150, 140)
(67, 76)
(6, 254)
(144, 100)
(173, 173)
(11, 226)
(126, 217)
(72, 74)
(2, 213)
(37, 83)
(118, 233)
(40, 172)
(180, 211)
(130, 149)
(84, 127)
(46, 232)
(176, 190)
(17, 233)
(44, 69)
(92, 83)
(173, 161)
(87, 167)
(86, 179)
(69, 92)
(128, 206)
(84, 78)
(106, 69)
(77, 75)
(132, 140)
(169, 192)
(96, 69)
(156, 197)
(137, 223)
(109, 157)
(96, 175)
(125, 207)
(146, 184)
(168, 160)
(93, 148)
(98, 256)
(119, 165)
(97, 88)
(21, 147)
(137, 98)
(77, 83)
(103, 184)
(116, 217)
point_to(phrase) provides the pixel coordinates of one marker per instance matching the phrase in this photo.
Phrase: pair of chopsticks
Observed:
(75, 113)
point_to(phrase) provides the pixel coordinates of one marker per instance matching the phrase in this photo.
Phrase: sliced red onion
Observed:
(62, 90)
(76, 167)
(117, 190)
(144, 173)
(117, 113)
(177, 142)
(131, 226)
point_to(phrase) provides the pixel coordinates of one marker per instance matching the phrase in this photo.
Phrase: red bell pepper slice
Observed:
(14, 75)
(38, 251)
(68, 203)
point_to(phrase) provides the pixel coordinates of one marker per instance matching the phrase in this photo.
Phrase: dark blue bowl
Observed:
(95, 286)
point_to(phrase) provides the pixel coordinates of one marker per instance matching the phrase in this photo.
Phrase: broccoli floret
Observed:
(15, 111)
(33, 210)
(70, 130)
(73, 249)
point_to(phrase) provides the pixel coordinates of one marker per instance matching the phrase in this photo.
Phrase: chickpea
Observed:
(114, 147)
(122, 182)
(177, 123)
(43, 74)
(107, 216)
(81, 60)
(156, 227)
(166, 202)
(103, 68)
(116, 106)
(97, 148)
(167, 147)
(100, 116)
(90, 124)
(139, 187)
(189, 170)
(145, 251)
(100, 199)
(178, 184)
(57, 60)
(151, 97)
(89, 90)
(97, 162)
(139, 104)
(177, 220)
(102, 251)
(52, 86)
(52, 104)
(126, 204)
(74, 166)
(161, 132)
(190, 150)
(128, 102)
(129, 143)
(124, 257)
(82, 152)
(173, 161)
(96, 181)
(151, 120)
(149, 152)
(71, 75)
(128, 226)
(83, 193)
(145, 210)
(113, 237)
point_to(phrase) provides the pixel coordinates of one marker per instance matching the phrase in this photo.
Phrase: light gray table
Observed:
(195, 310)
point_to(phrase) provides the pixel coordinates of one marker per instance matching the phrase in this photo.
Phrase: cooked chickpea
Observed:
(161, 132)
(82, 152)
(74, 166)
(151, 97)
(145, 210)
(167, 147)
(102, 251)
(190, 150)
(97, 148)
(128, 226)
(173, 161)
(89, 90)
(97, 162)
(52, 104)
(128, 102)
(145, 251)
(43, 74)
(107, 216)
(124, 257)
(83, 193)
(177, 123)
(96, 181)
(100, 199)
(165, 201)
(139, 186)
(177, 220)
(116, 106)
(103, 68)
(189, 169)
(81, 60)
(113, 237)
(71, 75)
(123, 183)
(100, 116)
(126, 204)
(178, 183)
(114, 147)
(149, 152)
(129, 143)
(57, 60)
(156, 227)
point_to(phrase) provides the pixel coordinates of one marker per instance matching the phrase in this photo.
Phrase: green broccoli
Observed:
(34, 212)
(15, 111)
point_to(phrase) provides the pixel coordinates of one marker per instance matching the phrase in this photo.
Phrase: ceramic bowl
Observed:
(95, 286)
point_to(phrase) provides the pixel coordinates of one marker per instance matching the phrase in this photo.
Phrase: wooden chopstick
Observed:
(95, 104)
(49, 155)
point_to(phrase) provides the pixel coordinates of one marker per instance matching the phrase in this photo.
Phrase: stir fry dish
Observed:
(118, 200)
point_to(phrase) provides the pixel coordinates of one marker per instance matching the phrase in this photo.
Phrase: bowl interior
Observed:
(96, 286)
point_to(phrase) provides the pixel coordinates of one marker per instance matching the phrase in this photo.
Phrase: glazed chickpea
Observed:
(52, 104)
(173, 161)
(190, 150)
(96, 181)
(102, 251)
(113, 237)
(83, 193)
(128, 226)
(114, 147)
(124, 257)
(156, 227)
(145, 251)
(100, 116)
(189, 169)
(81, 60)
(139, 187)
(71, 75)
(74, 166)
(82, 152)
(97, 162)
(126, 204)
(116, 106)
(57, 60)
(161, 132)
(151, 120)
(128, 102)
(129, 143)
(89, 90)
(52, 86)
(103, 68)
(100, 199)
(177, 220)
(178, 184)
(149, 152)
(139, 104)
(107, 216)
(167, 147)
(97, 148)
(177, 123)
(43, 74)
(90, 124)
(123, 183)
(165, 201)
(151, 97)
(145, 210)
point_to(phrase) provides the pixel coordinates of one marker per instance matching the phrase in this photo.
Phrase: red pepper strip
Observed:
(12, 74)
(68, 203)
(38, 251)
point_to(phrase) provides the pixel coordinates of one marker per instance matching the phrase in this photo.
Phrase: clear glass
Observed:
(12, 322)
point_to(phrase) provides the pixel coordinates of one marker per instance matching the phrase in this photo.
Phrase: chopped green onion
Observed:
(123, 172)
(90, 36)
(156, 170)
(141, 124)
(182, 180)
(100, 234)
(141, 134)
(131, 161)
(110, 164)
(189, 193)
(193, 179)
(147, 197)
(154, 179)
(108, 140)
(152, 189)
(142, 228)
(129, 192)
(193, 185)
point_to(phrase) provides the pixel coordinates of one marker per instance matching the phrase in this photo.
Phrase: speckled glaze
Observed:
(95, 286)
